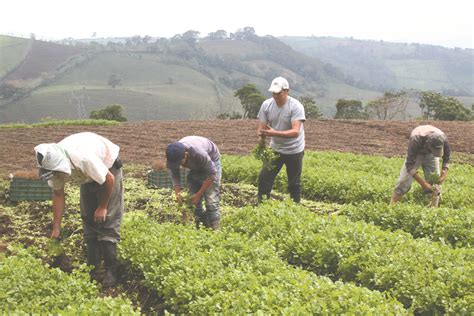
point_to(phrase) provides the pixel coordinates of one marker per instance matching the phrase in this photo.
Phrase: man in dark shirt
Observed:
(202, 157)
(427, 144)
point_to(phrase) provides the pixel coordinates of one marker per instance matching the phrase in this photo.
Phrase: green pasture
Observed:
(12, 51)
(150, 89)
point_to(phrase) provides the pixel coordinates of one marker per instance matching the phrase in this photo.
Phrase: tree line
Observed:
(391, 105)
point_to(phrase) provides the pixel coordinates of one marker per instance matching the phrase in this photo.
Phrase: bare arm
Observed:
(100, 213)
(291, 133)
(58, 208)
(444, 174)
(261, 127)
(177, 191)
(205, 185)
(425, 185)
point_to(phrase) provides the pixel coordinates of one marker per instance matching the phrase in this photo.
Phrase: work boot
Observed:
(109, 250)
(395, 198)
(93, 257)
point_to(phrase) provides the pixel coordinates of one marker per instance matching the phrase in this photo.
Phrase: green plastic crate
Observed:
(162, 179)
(29, 190)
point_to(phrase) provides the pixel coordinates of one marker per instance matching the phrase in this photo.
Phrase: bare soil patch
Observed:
(145, 142)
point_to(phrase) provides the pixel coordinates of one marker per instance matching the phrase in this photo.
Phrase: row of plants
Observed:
(204, 272)
(29, 286)
(450, 226)
(427, 277)
(354, 178)
(52, 122)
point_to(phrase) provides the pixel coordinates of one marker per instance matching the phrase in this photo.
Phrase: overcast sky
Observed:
(437, 22)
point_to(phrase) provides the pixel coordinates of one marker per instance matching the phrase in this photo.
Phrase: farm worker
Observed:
(93, 162)
(281, 118)
(202, 157)
(427, 143)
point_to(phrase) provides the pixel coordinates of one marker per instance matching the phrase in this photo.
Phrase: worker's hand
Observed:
(267, 132)
(100, 215)
(179, 198)
(195, 199)
(55, 233)
(426, 186)
(443, 176)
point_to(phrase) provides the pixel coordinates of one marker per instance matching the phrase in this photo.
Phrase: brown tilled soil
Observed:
(144, 142)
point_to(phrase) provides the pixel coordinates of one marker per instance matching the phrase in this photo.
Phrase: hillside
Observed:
(383, 66)
(187, 77)
(12, 52)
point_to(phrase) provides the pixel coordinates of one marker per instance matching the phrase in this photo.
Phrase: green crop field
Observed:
(343, 250)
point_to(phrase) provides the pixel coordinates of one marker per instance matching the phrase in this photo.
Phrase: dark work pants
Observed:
(294, 166)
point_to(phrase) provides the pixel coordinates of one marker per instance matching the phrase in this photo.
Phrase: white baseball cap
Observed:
(278, 84)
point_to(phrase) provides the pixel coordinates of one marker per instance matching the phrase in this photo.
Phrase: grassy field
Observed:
(12, 51)
(422, 75)
(151, 89)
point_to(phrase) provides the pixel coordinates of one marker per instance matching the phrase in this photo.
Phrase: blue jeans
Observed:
(211, 195)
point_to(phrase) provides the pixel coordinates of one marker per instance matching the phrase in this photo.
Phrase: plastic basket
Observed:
(162, 179)
(29, 190)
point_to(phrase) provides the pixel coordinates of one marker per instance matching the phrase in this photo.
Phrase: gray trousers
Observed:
(427, 162)
(90, 197)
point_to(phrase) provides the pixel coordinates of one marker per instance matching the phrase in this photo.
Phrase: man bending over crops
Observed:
(202, 157)
(281, 118)
(427, 144)
(93, 162)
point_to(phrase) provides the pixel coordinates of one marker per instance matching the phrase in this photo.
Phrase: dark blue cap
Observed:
(174, 155)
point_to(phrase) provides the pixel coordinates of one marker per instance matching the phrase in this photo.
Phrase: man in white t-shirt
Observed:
(281, 118)
(93, 162)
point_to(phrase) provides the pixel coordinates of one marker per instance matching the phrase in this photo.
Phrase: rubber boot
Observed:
(93, 257)
(109, 250)
(395, 198)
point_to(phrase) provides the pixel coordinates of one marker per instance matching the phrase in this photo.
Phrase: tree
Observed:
(217, 35)
(245, 33)
(436, 106)
(251, 99)
(310, 108)
(229, 116)
(191, 36)
(428, 101)
(349, 109)
(112, 113)
(389, 106)
(114, 81)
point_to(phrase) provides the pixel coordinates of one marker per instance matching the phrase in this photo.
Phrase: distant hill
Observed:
(187, 77)
(382, 66)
